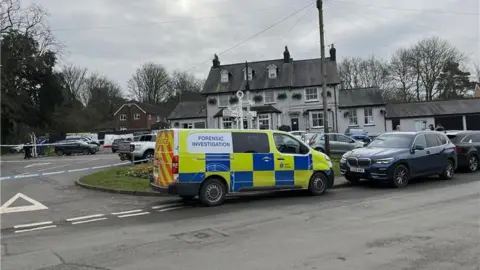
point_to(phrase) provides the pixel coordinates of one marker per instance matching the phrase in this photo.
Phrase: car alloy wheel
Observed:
(449, 170)
(400, 176)
(473, 163)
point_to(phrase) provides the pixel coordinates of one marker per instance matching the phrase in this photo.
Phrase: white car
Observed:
(298, 134)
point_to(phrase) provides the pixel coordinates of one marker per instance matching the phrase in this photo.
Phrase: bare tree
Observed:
(477, 72)
(182, 81)
(428, 58)
(29, 21)
(150, 84)
(360, 73)
(74, 80)
(402, 76)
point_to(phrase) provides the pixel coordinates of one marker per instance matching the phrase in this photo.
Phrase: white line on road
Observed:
(79, 170)
(101, 167)
(134, 215)
(85, 217)
(169, 209)
(36, 229)
(127, 212)
(165, 206)
(37, 164)
(88, 221)
(32, 224)
(52, 173)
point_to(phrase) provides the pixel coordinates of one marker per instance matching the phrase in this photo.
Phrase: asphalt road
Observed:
(432, 224)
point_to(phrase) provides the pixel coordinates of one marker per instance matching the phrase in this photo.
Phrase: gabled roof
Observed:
(189, 109)
(292, 74)
(360, 97)
(433, 108)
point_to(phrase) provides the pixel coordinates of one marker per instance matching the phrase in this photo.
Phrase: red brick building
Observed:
(134, 115)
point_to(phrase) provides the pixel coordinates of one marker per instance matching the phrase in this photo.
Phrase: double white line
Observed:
(33, 226)
(87, 219)
(131, 213)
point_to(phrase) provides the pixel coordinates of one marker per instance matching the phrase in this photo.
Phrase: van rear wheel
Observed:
(318, 184)
(212, 192)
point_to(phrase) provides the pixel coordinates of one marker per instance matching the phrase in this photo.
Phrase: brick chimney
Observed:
(215, 61)
(286, 55)
(333, 54)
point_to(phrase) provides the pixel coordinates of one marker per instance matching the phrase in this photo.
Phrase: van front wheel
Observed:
(212, 192)
(318, 184)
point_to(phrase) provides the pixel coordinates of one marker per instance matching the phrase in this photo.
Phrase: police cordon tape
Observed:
(53, 144)
(30, 175)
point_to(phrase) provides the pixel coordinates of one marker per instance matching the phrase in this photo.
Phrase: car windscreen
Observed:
(392, 141)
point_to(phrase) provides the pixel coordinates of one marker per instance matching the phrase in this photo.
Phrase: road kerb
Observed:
(122, 191)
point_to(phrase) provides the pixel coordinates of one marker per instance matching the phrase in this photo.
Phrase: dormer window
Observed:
(250, 74)
(272, 71)
(224, 76)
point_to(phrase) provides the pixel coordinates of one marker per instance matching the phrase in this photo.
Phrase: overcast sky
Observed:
(115, 37)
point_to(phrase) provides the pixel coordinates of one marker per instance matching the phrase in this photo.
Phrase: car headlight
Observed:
(344, 158)
(384, 161)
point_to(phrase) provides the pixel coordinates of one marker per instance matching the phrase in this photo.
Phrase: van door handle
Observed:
(280, 158)
(266, 159)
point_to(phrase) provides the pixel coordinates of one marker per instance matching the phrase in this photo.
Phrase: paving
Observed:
(432, 224)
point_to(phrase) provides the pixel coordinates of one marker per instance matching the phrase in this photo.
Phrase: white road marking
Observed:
(169, 209)
(55, 167)
(85, 217)
(127, 212)
(32, 224)
(165, 206)
(88, 221)
(134, 215)
(100, 167)
(36, 229)
(34, 207)
(26, 175)
(52, 173)
(79, 170)
(36, 164)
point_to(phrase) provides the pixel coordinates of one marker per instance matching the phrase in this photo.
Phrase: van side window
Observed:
(245, 142)
(288, 145)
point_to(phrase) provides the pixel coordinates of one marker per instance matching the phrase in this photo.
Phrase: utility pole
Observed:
(324, 76)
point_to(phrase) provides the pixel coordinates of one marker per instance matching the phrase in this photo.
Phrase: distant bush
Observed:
(140, 171)
(285, 128)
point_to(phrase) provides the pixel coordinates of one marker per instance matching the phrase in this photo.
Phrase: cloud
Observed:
(115, 37)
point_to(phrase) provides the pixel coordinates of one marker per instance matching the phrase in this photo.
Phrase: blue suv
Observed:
(397, 157)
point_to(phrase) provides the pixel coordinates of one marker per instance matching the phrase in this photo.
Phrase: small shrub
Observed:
(257, 98)
(233, 100)
(212, 101)
(140, 171)
(282, 96)
(285, 128)
(297, 96)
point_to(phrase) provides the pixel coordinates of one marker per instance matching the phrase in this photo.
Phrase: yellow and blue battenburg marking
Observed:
(245, 170)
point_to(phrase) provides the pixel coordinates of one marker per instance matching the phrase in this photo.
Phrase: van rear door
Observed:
(165, 164)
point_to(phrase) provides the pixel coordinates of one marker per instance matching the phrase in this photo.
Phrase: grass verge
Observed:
(121, 178)
(336, 166)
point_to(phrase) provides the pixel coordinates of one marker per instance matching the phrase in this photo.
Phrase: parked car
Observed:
(339, 143)
(397, 157)
(141, 148)
(116, 143)
(16, 149)
(467, 144)
(358, 134)
(306, 137)
(69, 146)
(298, 134)
(85, 139)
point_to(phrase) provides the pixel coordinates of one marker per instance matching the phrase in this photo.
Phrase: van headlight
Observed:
(384, 161)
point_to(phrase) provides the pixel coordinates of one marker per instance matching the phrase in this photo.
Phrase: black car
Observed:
(467, 144)
(68, 147)
(397, 157)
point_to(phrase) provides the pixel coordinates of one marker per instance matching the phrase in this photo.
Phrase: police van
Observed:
(211, 163)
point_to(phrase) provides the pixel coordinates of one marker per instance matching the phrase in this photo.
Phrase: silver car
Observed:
(339, 143)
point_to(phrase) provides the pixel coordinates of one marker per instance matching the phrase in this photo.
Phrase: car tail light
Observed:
(175, 160)
(458, 148)
(132, 147)
(312, 142)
